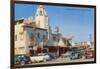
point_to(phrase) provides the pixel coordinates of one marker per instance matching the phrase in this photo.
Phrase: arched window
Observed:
(40, 12)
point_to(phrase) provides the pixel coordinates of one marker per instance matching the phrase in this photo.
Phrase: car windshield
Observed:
(21, 57)
(41, 54)
(67, 53)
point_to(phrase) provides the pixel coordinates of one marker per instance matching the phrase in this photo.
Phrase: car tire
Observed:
(29, 62)
(22, 63)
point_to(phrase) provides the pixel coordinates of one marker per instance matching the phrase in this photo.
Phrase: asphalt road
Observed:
(58, 60)
(64, 60)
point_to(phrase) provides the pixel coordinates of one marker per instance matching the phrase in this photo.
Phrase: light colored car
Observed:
(66, 55)
(72, 54)
(41, 57)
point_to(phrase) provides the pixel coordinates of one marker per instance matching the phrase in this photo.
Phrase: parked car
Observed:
(22, 59)
(75, 56)
(41, 57)
(66, 55)
(73, 53)
(76, 53)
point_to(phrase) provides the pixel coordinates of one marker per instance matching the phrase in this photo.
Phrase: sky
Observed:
(72, 21)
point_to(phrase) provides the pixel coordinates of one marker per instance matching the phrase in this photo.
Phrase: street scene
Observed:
(52, 34)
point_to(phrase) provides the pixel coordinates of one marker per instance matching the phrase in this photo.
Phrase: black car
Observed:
(22, 60)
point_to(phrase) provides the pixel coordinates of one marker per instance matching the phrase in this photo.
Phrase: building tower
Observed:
(41, 18)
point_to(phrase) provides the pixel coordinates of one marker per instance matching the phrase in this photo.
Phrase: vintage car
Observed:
(66, 55)
(22, 60)
(74, 53)
(41, 57)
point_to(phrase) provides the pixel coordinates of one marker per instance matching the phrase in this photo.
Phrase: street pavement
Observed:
(60, 60)
(64, 60)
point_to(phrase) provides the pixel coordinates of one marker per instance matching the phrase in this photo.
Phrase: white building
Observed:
(31, 34)
(41, 18)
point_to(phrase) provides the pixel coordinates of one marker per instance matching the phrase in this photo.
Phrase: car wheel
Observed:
(22, 62)
(29, 62)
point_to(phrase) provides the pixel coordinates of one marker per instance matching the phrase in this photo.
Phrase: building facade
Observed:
(35, 35)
